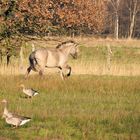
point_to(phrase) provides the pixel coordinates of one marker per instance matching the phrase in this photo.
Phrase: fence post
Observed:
(109, 53)
(21, 57)
(33, 47)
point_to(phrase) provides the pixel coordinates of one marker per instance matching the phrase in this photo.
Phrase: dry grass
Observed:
(94, 42)
(91, 41)
(93, 59)
(88, 42)
(85, 107)
(94, 68)
(97, 68)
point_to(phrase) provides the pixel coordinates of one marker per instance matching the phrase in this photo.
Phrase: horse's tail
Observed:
(32, 60)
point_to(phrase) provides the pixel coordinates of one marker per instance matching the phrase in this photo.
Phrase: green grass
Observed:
(84, 107)
(93, 59)
(120, 54)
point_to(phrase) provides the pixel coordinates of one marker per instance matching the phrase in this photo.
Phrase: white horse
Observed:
(53, 58)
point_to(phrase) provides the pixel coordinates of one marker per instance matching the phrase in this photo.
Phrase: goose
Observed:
(13, 119)
(6, 112)
(16, 121)
(29, 91)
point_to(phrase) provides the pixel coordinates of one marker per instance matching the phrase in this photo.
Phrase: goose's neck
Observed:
(5, 108)
(23, 87)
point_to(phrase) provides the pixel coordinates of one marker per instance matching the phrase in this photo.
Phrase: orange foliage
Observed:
(40, 15)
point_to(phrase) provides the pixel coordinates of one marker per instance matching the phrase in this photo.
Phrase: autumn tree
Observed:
(80, 16)
(43, 16)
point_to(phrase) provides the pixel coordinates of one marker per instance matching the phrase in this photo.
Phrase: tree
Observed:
(134, 8)
(128, 17)
(116, 5)
(80, 16)
(38, 17)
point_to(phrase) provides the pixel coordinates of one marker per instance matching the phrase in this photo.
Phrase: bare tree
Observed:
(115, 4)
(134, 7)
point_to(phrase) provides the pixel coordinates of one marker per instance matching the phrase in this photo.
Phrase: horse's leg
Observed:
(28, 71)
(63, 76)
(61, 73)
(8, 59)
(68, 67)
(41, 72)
(1, 56)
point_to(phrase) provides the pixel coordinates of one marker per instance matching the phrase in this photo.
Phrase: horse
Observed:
(53, 58)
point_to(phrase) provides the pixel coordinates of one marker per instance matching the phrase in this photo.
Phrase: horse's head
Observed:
(74, 50)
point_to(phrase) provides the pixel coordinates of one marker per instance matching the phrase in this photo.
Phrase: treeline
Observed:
(123, 18)
(116, 18)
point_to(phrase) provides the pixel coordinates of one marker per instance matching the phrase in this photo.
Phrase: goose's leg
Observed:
(13, 127)
(16, 126)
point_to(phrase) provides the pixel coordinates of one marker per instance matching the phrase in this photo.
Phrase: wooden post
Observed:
(109, 53)
(21, 58)
(33, 47)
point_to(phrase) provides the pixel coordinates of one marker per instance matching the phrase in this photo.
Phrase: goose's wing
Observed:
(16, 115)
(13, 120)
(28, 92)
(24, 120)
(23, 117)
(9, 114)
(35, 92)
(17, 120)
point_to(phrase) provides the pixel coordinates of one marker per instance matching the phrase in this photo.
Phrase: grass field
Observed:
(95, 103)
(84, 107)
(93, 58)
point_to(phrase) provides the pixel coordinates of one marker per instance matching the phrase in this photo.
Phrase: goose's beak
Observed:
(21, 86)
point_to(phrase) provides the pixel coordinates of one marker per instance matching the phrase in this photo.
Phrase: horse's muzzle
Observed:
(75, 56)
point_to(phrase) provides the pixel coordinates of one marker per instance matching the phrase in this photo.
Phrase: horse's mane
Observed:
(63, 43)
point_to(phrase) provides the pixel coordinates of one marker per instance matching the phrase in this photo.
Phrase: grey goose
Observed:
(17, 120)
(13, 119)
(29, 91)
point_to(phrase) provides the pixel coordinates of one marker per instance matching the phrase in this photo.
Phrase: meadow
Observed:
(95, 103)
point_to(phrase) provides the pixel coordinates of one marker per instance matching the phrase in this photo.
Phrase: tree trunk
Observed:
(115, 5)
(117, 26)
(132, 21)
